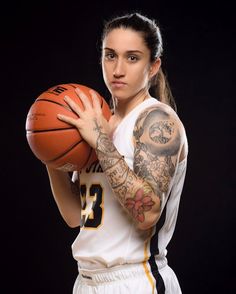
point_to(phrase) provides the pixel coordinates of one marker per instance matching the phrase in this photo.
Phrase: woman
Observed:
(128, 203)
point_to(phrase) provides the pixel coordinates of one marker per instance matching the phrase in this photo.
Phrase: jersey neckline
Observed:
(147, 101)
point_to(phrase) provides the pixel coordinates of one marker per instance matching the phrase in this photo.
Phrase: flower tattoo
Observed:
(139, 204)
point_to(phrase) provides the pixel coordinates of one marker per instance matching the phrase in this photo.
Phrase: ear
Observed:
(154, 68)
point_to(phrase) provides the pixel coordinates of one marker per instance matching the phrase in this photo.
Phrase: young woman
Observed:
(127, 204)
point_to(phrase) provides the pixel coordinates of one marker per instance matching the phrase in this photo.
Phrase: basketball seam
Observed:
(90, 153)
(48, 100)
(74, 85)
(65, 152)
(29, 131)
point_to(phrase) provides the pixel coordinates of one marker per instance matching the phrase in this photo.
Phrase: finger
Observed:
(68, 119)
(74, 106)
(85, 100)
(96, 101)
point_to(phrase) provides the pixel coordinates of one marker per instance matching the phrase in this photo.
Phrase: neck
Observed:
(123, 107)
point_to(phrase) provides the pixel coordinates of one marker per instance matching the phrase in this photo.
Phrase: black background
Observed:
(45, 44)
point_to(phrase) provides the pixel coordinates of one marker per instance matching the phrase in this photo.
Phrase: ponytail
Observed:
(162, 89)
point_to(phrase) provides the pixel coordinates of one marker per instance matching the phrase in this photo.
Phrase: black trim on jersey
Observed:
(154, 249)
(160, 285)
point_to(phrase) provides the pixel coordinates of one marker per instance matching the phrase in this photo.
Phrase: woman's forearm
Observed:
(66, 195)
(134, 194)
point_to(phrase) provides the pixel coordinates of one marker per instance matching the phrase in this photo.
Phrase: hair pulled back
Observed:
(152, 37)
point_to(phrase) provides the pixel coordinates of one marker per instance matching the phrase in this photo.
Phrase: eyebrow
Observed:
(128, 51)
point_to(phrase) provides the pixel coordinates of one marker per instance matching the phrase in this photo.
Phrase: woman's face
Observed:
(125, 63)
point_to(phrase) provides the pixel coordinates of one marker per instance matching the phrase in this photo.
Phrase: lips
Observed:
(118, 84)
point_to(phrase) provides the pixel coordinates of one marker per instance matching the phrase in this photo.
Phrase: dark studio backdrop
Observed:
(57, 42)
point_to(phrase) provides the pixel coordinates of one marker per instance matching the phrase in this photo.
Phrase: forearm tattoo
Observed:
(157, 144)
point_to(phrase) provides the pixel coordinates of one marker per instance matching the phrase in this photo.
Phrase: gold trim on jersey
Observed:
(145, 265)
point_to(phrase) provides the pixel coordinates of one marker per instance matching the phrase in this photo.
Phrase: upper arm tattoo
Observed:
(157, 139)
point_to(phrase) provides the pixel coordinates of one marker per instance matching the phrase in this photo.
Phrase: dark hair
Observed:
(153, 39)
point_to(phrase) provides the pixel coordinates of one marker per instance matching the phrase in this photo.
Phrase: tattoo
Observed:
(158, 170)
(103, 141)
(161, 132)
(140, 203)
(157, 143)
(97, 128)
(157, 146)
(133, 193)
(112, 162)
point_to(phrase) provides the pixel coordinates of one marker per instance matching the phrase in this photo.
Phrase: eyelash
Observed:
(109, 55)
(131, 58)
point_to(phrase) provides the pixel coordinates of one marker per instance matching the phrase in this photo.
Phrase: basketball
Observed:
(54, 142)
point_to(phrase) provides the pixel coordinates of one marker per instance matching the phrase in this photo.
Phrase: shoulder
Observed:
(160, 110)
(158, 126)
(159, 114)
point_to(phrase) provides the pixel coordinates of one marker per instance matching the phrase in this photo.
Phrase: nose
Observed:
(119, 69)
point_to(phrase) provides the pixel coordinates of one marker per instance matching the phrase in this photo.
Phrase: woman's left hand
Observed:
(90, 122)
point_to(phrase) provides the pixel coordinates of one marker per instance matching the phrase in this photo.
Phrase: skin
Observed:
(157, 134)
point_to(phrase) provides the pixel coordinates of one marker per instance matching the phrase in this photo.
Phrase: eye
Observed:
(132, 58)
(109, 56)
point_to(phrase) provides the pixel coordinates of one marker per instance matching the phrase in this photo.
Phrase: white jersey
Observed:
(108, 236)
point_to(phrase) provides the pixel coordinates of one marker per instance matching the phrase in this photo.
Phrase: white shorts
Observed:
(127, 279)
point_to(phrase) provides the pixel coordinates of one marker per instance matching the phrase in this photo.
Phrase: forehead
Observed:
(123, 39)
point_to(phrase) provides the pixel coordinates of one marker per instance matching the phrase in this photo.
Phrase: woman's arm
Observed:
(157, 139)
(66, 194)
(158, 142)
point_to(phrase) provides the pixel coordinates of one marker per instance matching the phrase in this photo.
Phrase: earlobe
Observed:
(155, 67)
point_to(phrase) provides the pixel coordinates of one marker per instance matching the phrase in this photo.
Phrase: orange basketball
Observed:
(54, 142)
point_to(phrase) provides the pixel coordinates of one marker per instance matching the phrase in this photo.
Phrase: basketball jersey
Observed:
(108, 236)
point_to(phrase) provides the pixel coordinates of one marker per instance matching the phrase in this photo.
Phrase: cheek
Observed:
(141, 76)
(106, 70)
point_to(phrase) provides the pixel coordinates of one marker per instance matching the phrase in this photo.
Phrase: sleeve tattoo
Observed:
(157, 144)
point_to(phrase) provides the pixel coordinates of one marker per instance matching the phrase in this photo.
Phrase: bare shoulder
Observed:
(160, 111)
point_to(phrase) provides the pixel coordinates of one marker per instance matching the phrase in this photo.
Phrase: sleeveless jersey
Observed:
(108, 236)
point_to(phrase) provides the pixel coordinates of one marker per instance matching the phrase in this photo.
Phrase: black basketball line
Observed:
(73, 85)
(90, 153)
(55, 102)
(64, 105)
(65, 152)
(77, 86)
(56, 129)
(29, 131)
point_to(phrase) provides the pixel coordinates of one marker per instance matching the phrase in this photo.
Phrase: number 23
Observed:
(92, 206)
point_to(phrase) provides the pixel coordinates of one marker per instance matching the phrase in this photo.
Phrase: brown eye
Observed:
(110, 56)
(132, 58)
